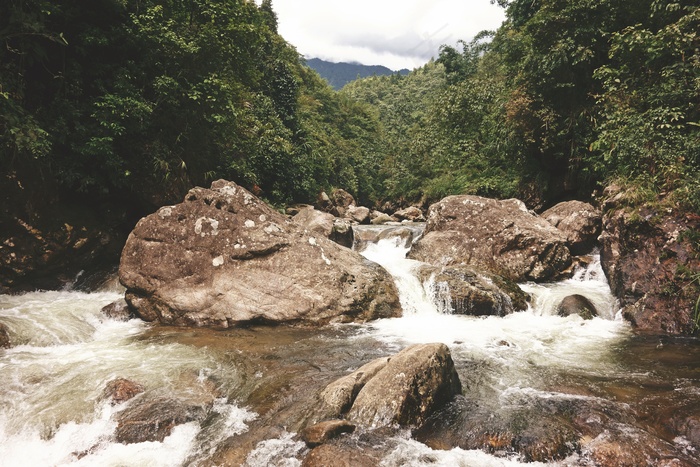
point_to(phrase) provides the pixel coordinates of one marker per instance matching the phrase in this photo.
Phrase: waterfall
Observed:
(513, 342)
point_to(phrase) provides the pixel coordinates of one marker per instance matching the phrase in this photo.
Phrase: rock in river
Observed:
(502, 237)
(403, 389)
(224, 257)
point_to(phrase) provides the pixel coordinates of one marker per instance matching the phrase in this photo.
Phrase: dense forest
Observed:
(123, 101)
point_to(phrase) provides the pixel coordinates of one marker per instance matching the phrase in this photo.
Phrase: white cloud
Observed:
(394, 33)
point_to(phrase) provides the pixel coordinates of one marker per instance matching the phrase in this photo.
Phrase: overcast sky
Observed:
(394, 33)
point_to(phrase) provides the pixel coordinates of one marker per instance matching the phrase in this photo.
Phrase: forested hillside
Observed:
(564, 97)
(141, 100)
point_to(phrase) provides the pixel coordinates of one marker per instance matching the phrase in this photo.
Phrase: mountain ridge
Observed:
(340, 74)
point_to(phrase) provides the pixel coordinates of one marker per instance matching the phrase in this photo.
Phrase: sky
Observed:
(394, 33)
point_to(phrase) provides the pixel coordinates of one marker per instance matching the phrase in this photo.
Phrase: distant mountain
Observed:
(340, 74)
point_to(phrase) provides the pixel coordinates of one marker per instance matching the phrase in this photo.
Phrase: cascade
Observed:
(515, 369)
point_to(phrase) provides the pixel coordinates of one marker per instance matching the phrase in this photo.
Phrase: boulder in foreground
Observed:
(224, 257)
(404, 389)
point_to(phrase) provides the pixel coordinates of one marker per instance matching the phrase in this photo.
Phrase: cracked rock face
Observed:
(224, 257)
(502, 237)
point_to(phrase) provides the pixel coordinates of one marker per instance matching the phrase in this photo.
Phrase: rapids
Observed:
(258, 383)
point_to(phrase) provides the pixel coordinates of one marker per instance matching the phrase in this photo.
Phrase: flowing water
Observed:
(258, 384)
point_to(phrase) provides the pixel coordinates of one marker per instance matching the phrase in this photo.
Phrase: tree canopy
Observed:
(140, 100)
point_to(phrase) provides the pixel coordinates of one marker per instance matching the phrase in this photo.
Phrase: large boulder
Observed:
(465, 290)
(325, 224)
(404, 389)
(359, 214)
(651, 257)
(580, 222)
(502, 237)
(577, 305)
(224, 257)
(411, 213)
(414, 383)
(342, 200)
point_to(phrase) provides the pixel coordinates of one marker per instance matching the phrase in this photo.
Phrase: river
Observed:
(258, 383)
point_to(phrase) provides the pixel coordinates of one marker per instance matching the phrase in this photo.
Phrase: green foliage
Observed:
(143, 99)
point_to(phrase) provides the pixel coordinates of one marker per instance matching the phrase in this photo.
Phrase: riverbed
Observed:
(259, 384)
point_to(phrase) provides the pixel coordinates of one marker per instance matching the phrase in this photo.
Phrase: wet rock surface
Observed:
(118, 310)
(577, 305)
(4, 337)
(580, 222)
(365, 450)
(651, 257)
(502, 237)
(223, 257)
(154, 420)
(121, 389)
(403, 235)
(413, 384)
(323, 432)
(467, 291)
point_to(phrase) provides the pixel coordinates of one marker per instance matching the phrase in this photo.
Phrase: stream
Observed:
(258, 384)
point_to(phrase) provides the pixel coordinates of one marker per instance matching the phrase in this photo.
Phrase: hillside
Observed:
(340, 74)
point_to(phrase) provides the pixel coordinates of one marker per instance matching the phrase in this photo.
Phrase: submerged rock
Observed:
(502, 237)
(468, 291)
(4, 337)
(403, 389)
(323, 432)
(121, 389)
(577, 305)
(154, 420)
(580, 222)
(118, 310)
(223, 257)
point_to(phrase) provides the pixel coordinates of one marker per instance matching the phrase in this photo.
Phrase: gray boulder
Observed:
(404, 389)
(359, 214)
(580, 222)
(118, 310)
(411, 213)
(413, 384)
(577, 305)
(502, 237)
(223, 257)
(380, 218)
(338, 397)
(314, 221)
(4, 337)
(468, 291)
